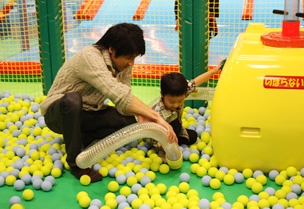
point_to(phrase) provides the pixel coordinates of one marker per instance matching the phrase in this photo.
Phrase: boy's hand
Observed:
(218, 67)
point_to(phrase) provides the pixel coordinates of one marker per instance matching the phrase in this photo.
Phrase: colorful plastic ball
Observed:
(247, 172)
(10, 180)
(19, 185)
(215, 184)
(206, 181)
(124, 205)
(81, 194)
(96, 202)
(56, 172)
(239, 178)
(184, 177)
(243, 199)
(229, 179)
(204, 204)
(279, 179)
(104, 171)
(194, 157)
(50, 179)
(145, 180)
(131, 180)
(85, 201)
(257, 187)
(121, 179)
(121, 198)
(1, 181)
(164, 169)
(17, 206)
(184, 187)
(125, 191)
(14, 200)
(113, 186)
(37, 183)
(46, 186)
(112, 203)
(85, 180)
(136, 203)
(262, 179)
(28, 194)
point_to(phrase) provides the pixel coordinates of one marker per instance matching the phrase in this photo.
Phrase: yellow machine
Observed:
(257, 117)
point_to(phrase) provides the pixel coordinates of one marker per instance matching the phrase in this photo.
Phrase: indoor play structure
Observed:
(254, 112)
(258, 111)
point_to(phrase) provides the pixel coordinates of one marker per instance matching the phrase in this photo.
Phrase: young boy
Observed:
(174, 89)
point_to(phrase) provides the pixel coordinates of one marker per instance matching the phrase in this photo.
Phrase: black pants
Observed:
(177, 126)
(79, 127)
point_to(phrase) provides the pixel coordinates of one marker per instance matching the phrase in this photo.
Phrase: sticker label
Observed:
(283, 82)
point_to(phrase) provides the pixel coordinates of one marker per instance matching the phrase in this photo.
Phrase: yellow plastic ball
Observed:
(10, 180)
(250, 182)
(35, 155)
(37, 131)
(151, 174)
(201, 171)
(220, 175)
(113, 186)
(110, 195)
(262, 179)
(84, 201)
(184, 187)
(229, 179)
(104, 171)
(279, 179)
(81, 194)
(28, 194)
(85, 180)
(247, 172)
(215, 183)
(280, 194)
(162, 188)
(194, 167)
(257, 187)
(194, 157)
(131, 181)
(136, 203)
(125, 191)
(112, 203)
(291, 171)
(56, 172)
(17, 206)
(164, 169)
(243, 199)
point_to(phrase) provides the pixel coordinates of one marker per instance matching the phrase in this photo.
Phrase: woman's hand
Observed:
(171, 134)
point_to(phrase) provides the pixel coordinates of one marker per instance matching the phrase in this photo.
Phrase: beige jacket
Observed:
(90, 73)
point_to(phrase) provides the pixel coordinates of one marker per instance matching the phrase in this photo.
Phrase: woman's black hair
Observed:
(126, 39)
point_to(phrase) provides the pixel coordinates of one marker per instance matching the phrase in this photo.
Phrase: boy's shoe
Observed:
(78, 172)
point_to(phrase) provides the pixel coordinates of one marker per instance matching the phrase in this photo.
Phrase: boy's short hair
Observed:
(174, 84)
(125, 38)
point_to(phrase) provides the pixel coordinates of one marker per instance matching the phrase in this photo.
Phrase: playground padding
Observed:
(247, 10)
(150, 71)
(88, 9)
(141, 10)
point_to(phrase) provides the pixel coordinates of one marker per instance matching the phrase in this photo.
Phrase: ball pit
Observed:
(31, 153)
